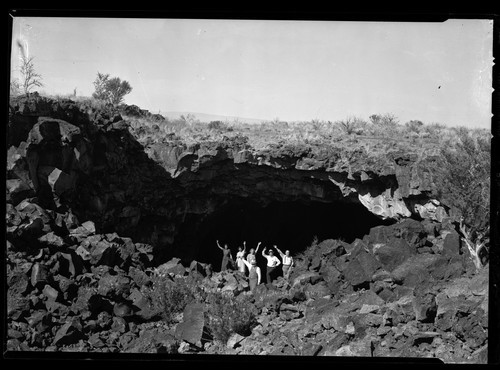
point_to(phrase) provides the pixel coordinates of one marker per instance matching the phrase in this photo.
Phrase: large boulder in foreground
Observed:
(191, 328)
(56, 154)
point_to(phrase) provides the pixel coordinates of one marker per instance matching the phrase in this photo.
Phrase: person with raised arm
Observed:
(254, 274)
(240, 258)
(252, 252)
(287, 262)
(226, 256)
(272, 263)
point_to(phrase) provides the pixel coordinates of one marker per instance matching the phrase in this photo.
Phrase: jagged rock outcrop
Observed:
(93, 217)
(88, 159)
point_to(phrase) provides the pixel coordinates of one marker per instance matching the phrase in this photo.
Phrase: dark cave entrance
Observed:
(289, 225)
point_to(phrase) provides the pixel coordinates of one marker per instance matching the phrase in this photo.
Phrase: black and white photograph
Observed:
(249, 188)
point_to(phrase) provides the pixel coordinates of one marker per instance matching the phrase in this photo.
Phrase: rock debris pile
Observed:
(74, 284)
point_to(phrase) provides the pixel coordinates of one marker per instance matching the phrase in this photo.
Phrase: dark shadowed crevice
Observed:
(289, 225)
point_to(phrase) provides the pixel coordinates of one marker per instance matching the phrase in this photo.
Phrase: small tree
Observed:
(29, 77)
(111, 90)
(462, 178)
(100, 92)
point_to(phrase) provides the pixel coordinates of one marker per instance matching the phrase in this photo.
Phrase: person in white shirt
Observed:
(287, 262)
(240, 258)
(251, 254)
(272, 263)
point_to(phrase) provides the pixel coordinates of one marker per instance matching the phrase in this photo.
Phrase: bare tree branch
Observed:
(30, 78)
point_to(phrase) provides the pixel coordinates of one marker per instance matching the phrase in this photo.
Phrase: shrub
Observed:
(385, 120)
(316, 124)
(434, 129)
(215, 125)
(462, 177)
(91, 102)
(111, 90)
(414, 126)
(175, 126)
(188, 119)
(169, 298)
(227, 314)
(351, 125)
(384, 124)
(219, 126)
(309, 252)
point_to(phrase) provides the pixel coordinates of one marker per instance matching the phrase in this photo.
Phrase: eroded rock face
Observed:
(84, 198)
(78, 157)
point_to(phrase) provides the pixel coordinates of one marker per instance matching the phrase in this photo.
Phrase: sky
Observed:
(291, 70)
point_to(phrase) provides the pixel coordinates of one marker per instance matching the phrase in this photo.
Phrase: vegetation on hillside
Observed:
(29, 77)
(110, 89)
(225, 314)
(461, 173)
(463, 180)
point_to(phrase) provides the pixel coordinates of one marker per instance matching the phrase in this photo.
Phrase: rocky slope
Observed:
(71, 154)
(90, 211)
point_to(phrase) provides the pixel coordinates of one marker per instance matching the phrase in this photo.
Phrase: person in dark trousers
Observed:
(254, 274)
(272, 263)
(226, 256)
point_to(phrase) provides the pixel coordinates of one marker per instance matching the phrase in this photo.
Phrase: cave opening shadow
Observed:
(289, 225)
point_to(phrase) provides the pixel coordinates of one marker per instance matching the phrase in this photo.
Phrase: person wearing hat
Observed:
(272, 263)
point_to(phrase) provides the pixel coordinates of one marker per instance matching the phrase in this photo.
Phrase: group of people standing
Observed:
(248, 262)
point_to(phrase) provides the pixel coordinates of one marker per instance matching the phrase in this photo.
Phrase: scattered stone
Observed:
(50, 293)
(95, 341)
(114, 286)
(52, 240)
(119, 325)
(402, 290)
(122, 309)
(83, 253)
(69, 333)
(234, 340)
(392, 253)
(18, 283)
(17, 190)
(153, 340)
(305, 278)
(104, 253)
(191, 328)
(39, 275)
(311, 349)
(56, 308)
(90, 227)
(369, 308)
(355, 274)
(451, 246)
